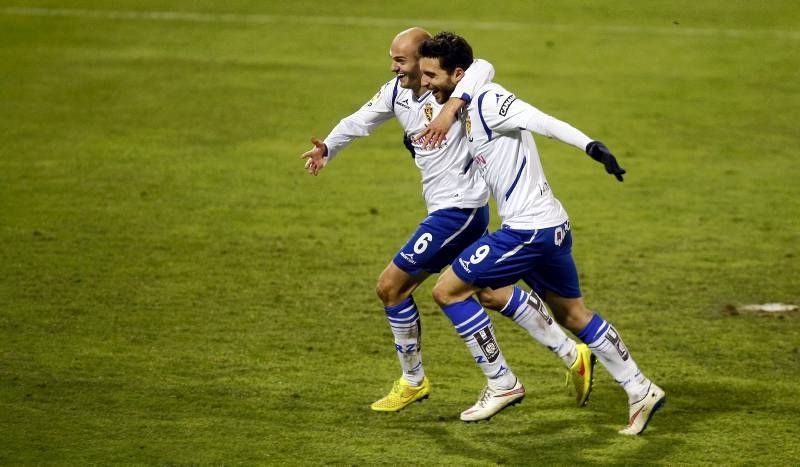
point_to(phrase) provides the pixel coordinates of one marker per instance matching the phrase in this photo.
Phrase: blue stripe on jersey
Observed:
(394, 92)
(421, 98)
(480, 114)
(466, 98)
(466, 167)
(519, 174)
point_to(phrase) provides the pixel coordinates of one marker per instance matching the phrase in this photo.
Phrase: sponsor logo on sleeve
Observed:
(506, 104)
(488, 345)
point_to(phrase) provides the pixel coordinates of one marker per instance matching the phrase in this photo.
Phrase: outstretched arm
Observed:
(361, 123)
(552, 127)
(316, 157)
(599, 152)
(520, 114)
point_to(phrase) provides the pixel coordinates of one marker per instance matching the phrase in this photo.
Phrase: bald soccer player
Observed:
(456, 198)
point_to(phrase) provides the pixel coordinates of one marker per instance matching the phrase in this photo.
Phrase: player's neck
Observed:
(419, 92)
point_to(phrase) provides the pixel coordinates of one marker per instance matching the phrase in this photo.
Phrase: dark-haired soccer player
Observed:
(456, 198)
(535, 241)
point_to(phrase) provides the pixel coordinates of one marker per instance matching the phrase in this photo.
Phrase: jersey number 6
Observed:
(422, 243)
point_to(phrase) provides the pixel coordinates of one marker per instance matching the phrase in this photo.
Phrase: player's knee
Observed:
(489, 299)
(441, 295)
(388, 292)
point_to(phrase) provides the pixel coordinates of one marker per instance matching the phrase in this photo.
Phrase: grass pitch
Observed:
(175, 289)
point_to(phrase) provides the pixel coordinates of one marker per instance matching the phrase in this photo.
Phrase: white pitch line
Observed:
(237, 18)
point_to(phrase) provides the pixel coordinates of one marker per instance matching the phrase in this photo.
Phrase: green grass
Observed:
(175, 289)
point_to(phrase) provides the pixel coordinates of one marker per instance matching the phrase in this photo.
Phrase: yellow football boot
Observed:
(401, 395)
(581, 373)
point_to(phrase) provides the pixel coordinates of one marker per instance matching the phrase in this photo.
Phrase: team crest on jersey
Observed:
(428, 109)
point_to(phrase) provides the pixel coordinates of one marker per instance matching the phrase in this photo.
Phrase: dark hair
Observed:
(453, 51)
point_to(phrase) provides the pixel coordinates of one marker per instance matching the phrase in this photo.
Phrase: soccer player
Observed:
(456, 198)
(535, 241)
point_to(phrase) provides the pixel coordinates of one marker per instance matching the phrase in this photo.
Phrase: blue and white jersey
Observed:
(447, 181)
(498, 129)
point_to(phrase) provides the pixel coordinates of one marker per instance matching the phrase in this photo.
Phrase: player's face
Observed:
(406, 66)
(437, 79)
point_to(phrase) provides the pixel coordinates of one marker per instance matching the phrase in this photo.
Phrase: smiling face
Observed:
(405, 59)
(406, 66)
(437, 80)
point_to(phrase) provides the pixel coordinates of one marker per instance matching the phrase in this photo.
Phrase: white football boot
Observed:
(642, 410)
(492, 401)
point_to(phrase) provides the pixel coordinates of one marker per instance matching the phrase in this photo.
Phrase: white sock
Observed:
(527, 310)
(607, 345)
(407, 329)
(474, 326)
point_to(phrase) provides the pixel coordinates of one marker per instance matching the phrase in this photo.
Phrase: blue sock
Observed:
(596, 327)
(475, 328)
(407, 330)
(606, 344)
(518, 297)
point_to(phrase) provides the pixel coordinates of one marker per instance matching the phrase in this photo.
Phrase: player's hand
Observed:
(316, 157)
(599, 152)
(436, 132)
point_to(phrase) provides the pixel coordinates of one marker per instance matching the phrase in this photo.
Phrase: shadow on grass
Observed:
(590, 436)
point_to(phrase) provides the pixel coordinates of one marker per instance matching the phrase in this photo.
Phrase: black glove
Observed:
(599, 152)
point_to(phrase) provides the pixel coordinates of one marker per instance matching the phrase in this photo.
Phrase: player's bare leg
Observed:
(527, 310)
(644, 396)
(472, 323)
(394, 288)
(396, 285)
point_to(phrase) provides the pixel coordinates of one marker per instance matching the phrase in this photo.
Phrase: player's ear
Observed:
(458, 73)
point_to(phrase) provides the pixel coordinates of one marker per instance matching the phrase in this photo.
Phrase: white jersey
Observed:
(498, 130)
(447, 178)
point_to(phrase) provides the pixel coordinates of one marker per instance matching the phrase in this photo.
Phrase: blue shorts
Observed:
(542, 258)
(440, 238)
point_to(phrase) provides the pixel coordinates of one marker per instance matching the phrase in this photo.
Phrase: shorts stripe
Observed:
(517, 248)
(463, 227)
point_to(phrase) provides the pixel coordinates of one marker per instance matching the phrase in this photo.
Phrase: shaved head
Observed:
(410, 39)
(405, 56)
